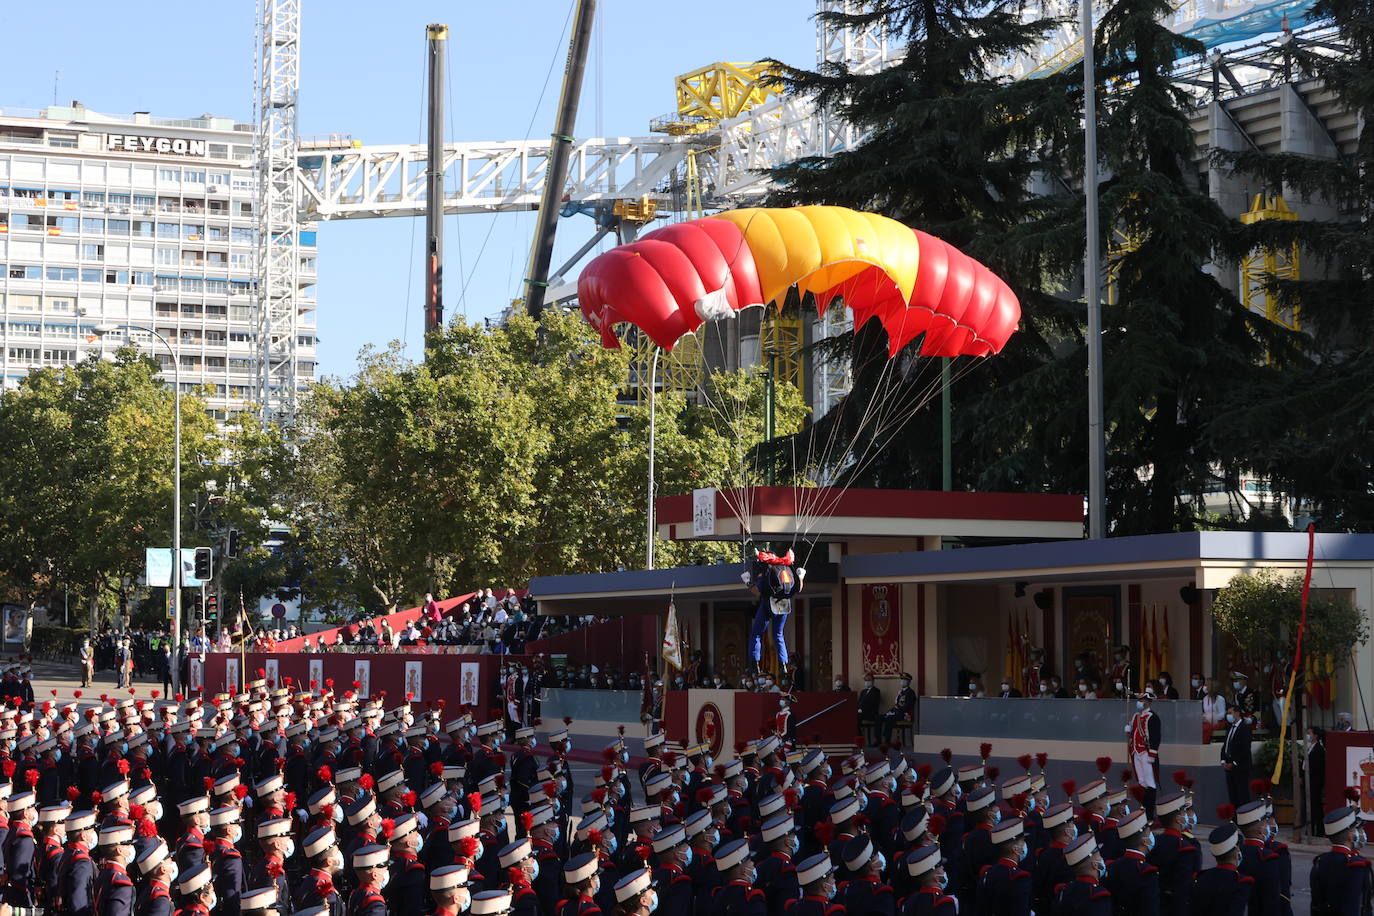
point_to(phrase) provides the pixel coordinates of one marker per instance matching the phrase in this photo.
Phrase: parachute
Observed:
(672, 279)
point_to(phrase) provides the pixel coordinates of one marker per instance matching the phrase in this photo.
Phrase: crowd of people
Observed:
(288, 801)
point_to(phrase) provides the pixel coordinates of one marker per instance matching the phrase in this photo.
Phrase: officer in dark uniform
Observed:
(21, 886)
(196, 892)
(369, 865)
(581, 878)
(1176, 854)
(870, 701)
(226, 862)
(269, 868)
(155, 865)
(195, 820)
(545, 833)
(635, 892)
(926, 867)
(448, 885)
(1341, 876)
(518, 864)
(1004, 887)
(1222, 890)
(737, 895)
(704, 836)
(816, 878)
(1132, 880)
(903, 710)
(1084, 895)
(524, 770)
(865, 892)
(674, 854)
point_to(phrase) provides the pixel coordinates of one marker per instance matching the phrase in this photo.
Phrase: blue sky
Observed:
(363, 74)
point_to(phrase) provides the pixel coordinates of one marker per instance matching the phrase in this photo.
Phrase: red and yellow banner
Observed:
(882, 634)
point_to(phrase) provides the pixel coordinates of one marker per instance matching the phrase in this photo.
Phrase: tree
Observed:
(1261, 612)
(86, 482)
(1317, 417)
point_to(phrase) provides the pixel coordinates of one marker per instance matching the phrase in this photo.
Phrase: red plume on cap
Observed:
(1041, 759)
(924, 770)
(73, 793)
(1180, 777)
(993, 773)
(1069, 786)
(329, 683)
(357, 685)
(704, 795)
(281, 764)
(607, 773)
(1019, 800)
(1225, 812)
(718, 771)
(437, 768)
(515, 875)
(388, 828)
(608, 754)
(550, 789)
(599, 796)
(1260, 786)
(475, 803)
(122, 766)
(468, 847)
(31, 777)
(985, 750)
(620, 729)
(366, 781)
(324, 774)
(825, 832)
(327, 813)
(1126, 775)
(289, 681)
(262, 672)
(1138, 792)
(594, 837)
(288, 801)
(180, 697)
(567, 720)
(77, 694)
(97, 798)
(526, 821)
(1024, 762)
(859, 742)
(739, 748)
(946, 755)
(644, 851)
(209, 782)
(1103, 764)
(136, 812)
(410, 695)
(791, 798)
(1352, 793)
(240, 791)
(314, 683)
(156, 693)
(935, 825)
(54, 691)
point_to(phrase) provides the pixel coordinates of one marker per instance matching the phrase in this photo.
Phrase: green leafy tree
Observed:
(1261, 612)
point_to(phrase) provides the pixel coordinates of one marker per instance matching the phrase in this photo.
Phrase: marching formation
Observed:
(307, 802)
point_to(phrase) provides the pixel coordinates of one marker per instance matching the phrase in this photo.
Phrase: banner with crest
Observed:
(882, 635)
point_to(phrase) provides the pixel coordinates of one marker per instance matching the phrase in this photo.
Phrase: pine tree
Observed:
(956, 151)
(1318, 414)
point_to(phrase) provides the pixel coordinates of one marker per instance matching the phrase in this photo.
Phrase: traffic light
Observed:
(205, 561)
(211, 608)
(233, 549)
(196, 609)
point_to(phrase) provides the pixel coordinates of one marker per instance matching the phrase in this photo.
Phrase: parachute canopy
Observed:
(672, 279)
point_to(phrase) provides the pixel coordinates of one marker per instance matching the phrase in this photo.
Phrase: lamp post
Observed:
(101, 330)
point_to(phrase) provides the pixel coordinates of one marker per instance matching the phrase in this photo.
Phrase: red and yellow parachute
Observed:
(672, 279)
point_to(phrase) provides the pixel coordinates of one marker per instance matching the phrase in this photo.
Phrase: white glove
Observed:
(801, 572)
(745, 578)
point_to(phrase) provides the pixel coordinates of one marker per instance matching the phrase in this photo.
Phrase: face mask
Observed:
(996, 817)
(383, 880)
(1082, 688)
(793, 844)
(1030, 805)
(1195, 682)
(1024, 851)
(1139, 704)
(290, 849)
(1073, 832)
(57, 755)
(709, 762)
(611, 844)
(652, 903)
(713, 840)
(212, 903)
(1006, 687)
(500, 826)
(972, 687)
(1235, 684)
(1149, 841)
(235, 834)
(882, 863)
(124, 747)
(1230, 717)
(839, 685)
(1101, 869)
(942, 882)
(868, 684)
(1118, 686)
(464, 901)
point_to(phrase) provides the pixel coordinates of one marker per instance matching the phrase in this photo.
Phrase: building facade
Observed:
(142, 221)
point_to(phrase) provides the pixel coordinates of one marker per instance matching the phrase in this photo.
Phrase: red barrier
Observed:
(723, 718)
(456, 680)
(397, 621)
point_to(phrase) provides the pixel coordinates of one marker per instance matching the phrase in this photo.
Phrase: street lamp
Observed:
(100, 331)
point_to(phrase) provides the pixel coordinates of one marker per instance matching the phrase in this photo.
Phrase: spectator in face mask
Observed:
(1009, 691)
(975, 686)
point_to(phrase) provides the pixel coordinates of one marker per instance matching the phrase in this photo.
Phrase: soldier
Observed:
(776, 873)
(870, 699)
(370, 869)
(1143, 747)
(195, 820)
(1341, 876)
(635, 894)
(1222, 890)
(277, 846)
(317, 888)
(927, 869)
(865, 892)
(21, 886)
(1131, 879)
(1049, 869)
(1084, 895)
(1257, 860)
(816, 877)
(519, 865)
(259, 901)
(674, 857)
(197, 892)
(737, 895)
(1004, 887)
(76, 870)
(226, 862)
(158, 869)
(114, 891)
(977, 850)
(449, 888)
(581, 881)
(491, 903)
(1176, 854)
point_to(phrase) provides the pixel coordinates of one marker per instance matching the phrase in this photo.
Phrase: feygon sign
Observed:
(178, 146)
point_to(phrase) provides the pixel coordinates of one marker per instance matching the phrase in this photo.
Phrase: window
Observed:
(91, 274)
(240, 259)
(92, 224)
(58, 357)
(216, 258)
(169, 174)
(25, 354)
(143, 228)
(196, 175)
(219, 150)
(118, 227)
(217, 178)
(25, 329)
(190, 309)
(166, 308)
(141, 277)
(90, 251)
(65, 141)
(217, 287)
(217, 234)
(168, 230)
(119, 200)
(166, 255)
(145, 201)
(192, 284)
(25, 272)
(239, 234)
(240, 287)
(62, 330)
(61, 304)
(93, 197)
(213, 362)
(192, 231)
(62, 273)
(240, 337)
(305, 340)
(246, 365)
(117, 276)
